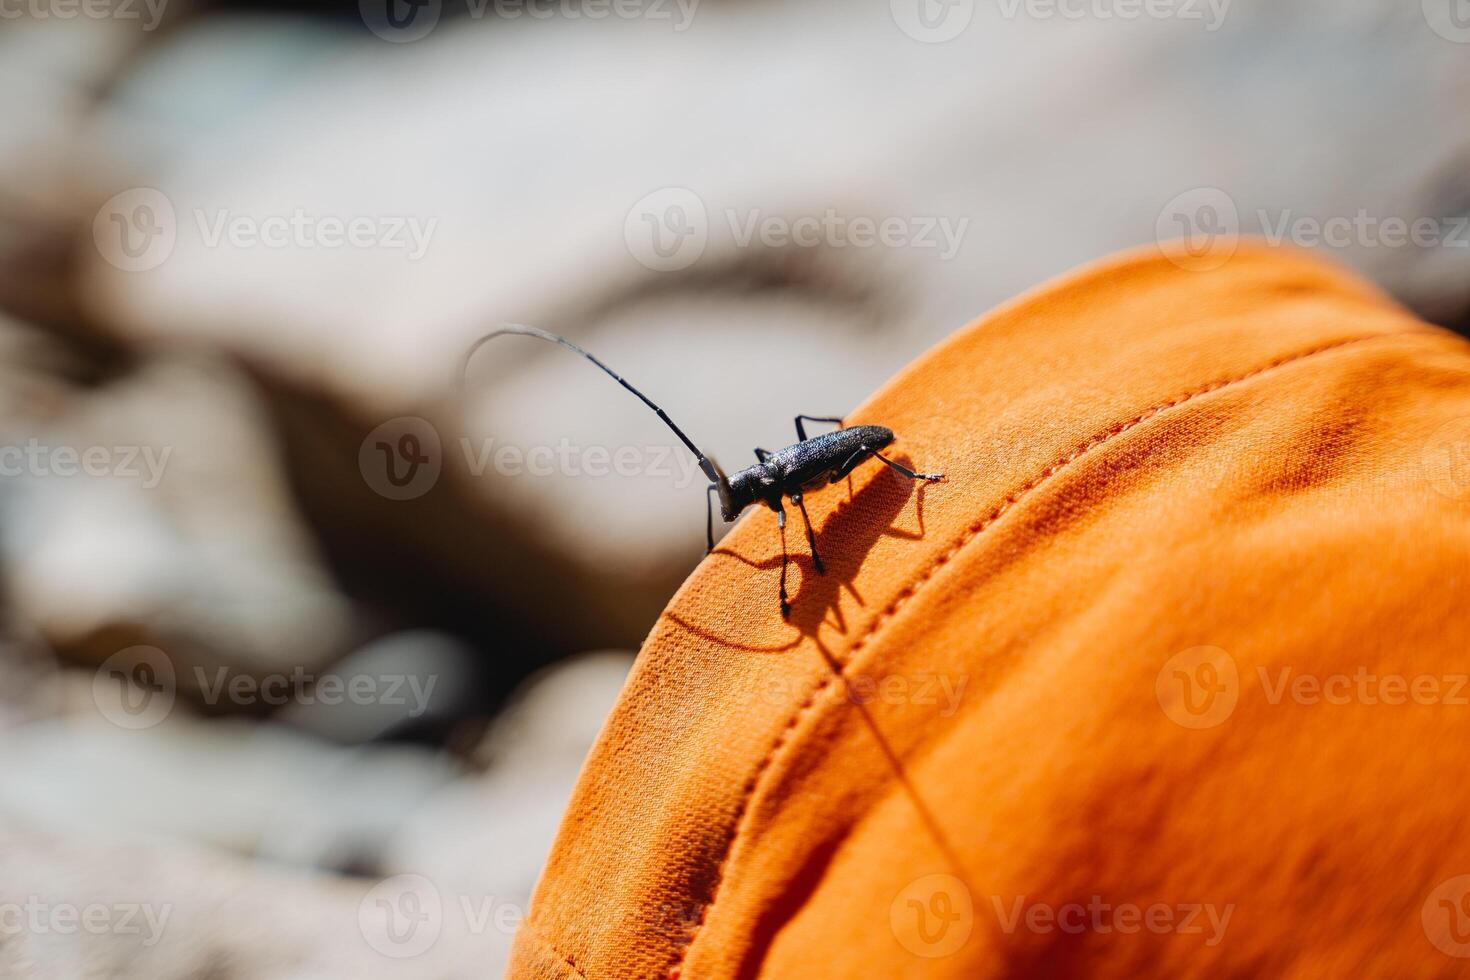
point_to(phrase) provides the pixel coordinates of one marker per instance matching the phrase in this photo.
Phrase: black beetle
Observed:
(786, 473)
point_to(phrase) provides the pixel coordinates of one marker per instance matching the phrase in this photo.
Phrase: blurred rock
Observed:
(31, 683)
(80, 909)
(497, 828)
(52, 71)
(430, 683)
(468, 849)
(152, 510)
(490, 835)
(256, 789)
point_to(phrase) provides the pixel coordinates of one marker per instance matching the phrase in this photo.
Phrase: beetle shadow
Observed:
(844, 540)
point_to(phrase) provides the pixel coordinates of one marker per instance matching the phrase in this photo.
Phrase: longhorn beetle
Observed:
(787, 473)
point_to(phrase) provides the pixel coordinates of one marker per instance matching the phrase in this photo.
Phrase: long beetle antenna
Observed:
(709, 466)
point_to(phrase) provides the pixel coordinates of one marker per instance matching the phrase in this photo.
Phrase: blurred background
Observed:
(302, 646)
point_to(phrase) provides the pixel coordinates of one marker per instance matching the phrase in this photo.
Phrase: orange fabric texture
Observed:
(1167, 678)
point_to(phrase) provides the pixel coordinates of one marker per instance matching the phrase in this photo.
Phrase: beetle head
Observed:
(744, 489)
(730, 499)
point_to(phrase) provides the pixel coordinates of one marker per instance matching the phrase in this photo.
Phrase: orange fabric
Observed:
(1057, 715)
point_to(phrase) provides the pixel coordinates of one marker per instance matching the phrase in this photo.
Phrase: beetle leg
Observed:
(761, 454)
(801, 429)
(850, 463)
(781, 524)
(931, 477)
(811, 538)
(709, 518)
